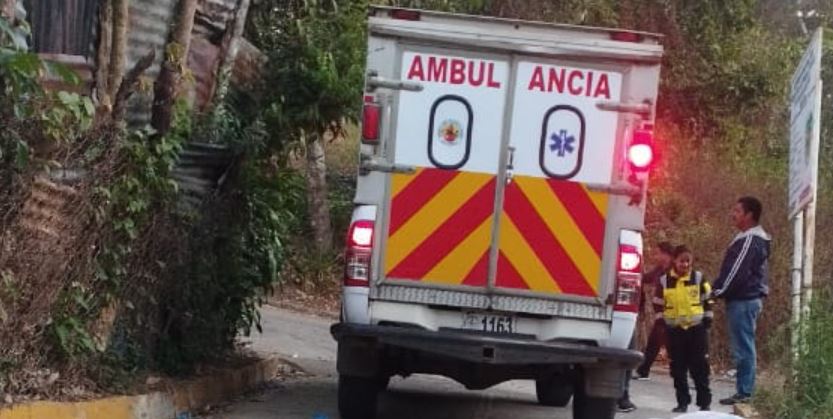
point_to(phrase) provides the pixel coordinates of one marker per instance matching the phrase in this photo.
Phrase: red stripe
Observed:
(416, 194)
(479, 274)
(581, 208)
(448, 235)
(507, 275)
(546, 247)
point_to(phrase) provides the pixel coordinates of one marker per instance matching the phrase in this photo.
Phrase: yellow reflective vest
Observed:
(684, 301)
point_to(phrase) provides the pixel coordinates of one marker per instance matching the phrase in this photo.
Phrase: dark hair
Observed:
(753, 205)
(679, 250)
(666, 247)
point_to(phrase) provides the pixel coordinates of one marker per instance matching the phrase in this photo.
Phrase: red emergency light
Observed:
(371, 115)
(641, 150)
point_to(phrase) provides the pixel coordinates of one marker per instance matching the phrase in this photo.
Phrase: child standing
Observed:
(684, 299)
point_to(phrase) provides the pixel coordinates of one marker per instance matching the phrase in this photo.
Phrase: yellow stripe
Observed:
(422, 224)
(599, 200)
(459, 262)
(400, 180)
(562, 226)
(523, 258)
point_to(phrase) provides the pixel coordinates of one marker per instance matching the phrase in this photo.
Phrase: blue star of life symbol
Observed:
(562, 142)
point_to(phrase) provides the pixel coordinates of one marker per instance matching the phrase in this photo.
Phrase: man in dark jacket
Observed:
(742, 283)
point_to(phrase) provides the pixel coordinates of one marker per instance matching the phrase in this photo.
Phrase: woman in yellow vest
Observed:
(684, 299)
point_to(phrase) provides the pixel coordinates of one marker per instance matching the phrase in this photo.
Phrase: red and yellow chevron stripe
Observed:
(551, 237)
(551, 232)
(440, 226)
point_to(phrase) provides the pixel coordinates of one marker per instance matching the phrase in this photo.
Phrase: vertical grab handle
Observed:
(510, 164)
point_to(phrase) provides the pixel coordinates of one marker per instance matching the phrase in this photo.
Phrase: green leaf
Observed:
(17, 37)
(69, 99)
(89, 107)
(21, 154)
(64, 72)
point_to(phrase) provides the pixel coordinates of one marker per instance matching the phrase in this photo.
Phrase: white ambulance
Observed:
(497, 232)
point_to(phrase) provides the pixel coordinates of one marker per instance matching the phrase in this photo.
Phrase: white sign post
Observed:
(805, 130)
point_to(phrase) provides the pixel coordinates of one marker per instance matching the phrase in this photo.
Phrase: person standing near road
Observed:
(662, 264)
(656, 340)
(742, 283)
(684, 299)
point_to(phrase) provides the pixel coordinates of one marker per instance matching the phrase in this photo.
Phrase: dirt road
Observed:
(305, 341)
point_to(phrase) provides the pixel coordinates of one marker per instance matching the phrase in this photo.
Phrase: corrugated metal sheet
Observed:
(248, 66)
(246, 78)
(203, 59)
(217, 12)
(199, 170)
(62, 27)
(45, 211)
(150, 24)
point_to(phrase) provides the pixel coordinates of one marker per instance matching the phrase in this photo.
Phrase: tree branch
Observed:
(128, 86)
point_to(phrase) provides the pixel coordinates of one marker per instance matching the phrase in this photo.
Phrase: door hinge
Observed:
(374, 81)
(644, 109)
(369, 164)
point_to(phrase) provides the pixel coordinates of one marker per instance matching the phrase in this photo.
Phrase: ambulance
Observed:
(500, 203)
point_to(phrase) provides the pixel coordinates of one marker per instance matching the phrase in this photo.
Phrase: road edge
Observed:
(180, 400)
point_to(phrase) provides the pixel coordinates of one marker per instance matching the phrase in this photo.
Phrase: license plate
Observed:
(489, 322)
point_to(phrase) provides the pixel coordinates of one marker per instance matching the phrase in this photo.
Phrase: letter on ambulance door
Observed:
(552, 226)
(440, 219)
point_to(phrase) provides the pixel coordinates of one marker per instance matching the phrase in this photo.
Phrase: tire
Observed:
(587, 407)
(357, 397)
(555, 390)
(382, 382)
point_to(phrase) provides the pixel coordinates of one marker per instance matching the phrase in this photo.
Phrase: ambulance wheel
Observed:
(588, 407)
(383, 382)
(555, 390)
(357, 397)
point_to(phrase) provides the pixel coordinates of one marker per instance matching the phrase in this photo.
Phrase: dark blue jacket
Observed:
(744, 273)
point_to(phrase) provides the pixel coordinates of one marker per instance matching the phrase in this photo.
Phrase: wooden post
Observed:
(103, 55)
(118, 56)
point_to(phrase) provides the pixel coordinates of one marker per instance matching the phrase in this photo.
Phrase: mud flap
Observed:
(358, 358)
(604, 380)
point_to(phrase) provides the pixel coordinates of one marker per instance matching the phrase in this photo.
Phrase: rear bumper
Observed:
(485, 349)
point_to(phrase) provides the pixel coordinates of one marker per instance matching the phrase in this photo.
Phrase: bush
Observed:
(810, 393)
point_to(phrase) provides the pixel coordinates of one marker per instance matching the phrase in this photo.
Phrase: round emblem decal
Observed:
(450, 131)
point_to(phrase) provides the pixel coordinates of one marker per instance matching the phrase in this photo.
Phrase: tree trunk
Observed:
(102, 60)
(232, 46)
(176, 59)
(317, 202)
(118, 56)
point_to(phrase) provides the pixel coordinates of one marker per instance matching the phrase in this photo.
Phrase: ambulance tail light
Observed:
(628, 278)
(641, 151)
(371, 114)
(358, 254)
